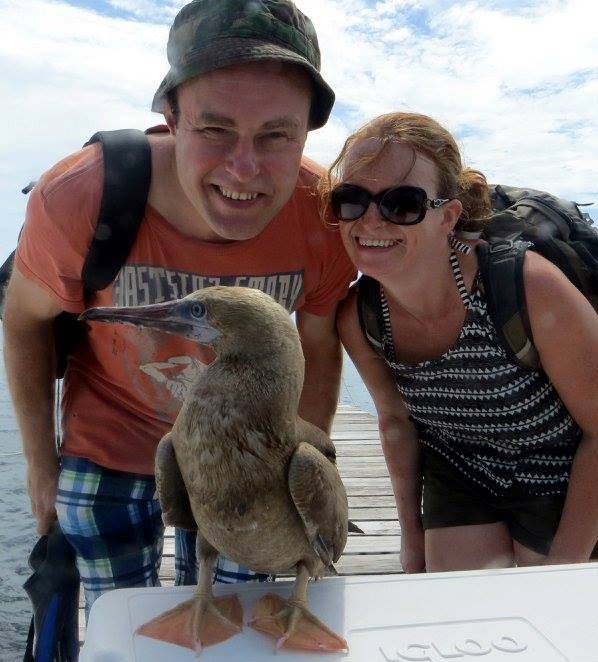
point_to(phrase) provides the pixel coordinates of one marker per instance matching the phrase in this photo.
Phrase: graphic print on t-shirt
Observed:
(177, 374)
(140, 285)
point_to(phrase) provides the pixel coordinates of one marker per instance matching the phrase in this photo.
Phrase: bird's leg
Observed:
(291, 623)
(202, 621)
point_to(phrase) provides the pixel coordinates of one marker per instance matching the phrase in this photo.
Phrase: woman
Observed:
(507, 456)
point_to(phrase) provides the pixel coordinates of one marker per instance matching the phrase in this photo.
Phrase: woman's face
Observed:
(376, 246)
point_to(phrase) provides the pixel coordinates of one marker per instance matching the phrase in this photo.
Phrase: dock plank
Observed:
(360, 514)
(364, 437)
(369, 460)
(363, 450)
(362, 470)
(379, 501)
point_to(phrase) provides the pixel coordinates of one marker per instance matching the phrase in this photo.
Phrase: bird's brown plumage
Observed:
(259, 482)
(260, 489)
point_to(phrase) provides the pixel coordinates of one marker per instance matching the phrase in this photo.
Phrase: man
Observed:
(230, 202)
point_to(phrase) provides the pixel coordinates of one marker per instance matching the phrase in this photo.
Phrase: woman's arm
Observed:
(565, 331)
(397, 433)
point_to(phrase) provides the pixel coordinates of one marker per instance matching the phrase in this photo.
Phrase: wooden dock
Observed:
(371, 502)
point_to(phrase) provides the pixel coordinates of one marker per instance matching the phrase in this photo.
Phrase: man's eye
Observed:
(273, 139)
(214, 132)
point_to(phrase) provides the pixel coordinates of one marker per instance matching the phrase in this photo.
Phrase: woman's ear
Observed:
(452, 211)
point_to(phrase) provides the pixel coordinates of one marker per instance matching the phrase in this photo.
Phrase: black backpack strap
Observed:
(369, 312)
(127, 176)
(501, 269)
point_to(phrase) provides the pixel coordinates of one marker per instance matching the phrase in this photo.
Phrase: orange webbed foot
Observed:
(197, 623)
(293, 626)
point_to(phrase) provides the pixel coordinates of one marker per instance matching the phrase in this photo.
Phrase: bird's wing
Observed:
(173, 495)
(312, 434)
(321, 501)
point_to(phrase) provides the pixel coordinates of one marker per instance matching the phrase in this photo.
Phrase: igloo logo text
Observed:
(502, 639)
(441, 651)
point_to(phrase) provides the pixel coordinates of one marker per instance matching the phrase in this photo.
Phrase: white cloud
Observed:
(65, 73)
(516, 82)
(517, 85)
(146, 10)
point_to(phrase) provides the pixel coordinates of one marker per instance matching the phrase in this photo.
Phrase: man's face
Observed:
(238, 144)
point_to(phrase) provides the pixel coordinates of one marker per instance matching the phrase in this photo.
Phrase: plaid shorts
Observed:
(114, 522)
(225, 572)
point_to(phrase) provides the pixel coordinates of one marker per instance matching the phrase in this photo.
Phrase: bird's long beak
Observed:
(171, 317)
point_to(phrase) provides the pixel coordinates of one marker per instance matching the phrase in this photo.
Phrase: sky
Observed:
(516, 82)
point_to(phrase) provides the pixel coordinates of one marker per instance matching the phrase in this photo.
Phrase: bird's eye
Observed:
(197, 310)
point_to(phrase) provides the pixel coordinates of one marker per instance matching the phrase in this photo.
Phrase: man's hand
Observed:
(42, 483)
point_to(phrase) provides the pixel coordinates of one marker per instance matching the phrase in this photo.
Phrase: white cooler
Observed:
(547, 614)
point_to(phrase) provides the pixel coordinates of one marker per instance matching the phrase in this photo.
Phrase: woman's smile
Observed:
(376, 243)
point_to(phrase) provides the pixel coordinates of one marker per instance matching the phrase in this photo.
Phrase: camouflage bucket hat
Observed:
(211, 34)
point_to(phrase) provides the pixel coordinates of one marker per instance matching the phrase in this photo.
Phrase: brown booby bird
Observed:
(258, 483)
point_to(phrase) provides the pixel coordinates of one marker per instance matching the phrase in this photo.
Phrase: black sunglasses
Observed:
(401, 205)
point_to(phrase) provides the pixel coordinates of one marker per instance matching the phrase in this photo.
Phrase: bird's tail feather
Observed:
(353, 528)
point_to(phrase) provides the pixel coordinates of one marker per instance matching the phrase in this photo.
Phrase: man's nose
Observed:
(242, 161)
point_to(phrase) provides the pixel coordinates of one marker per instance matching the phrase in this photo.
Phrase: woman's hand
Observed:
(413, 558)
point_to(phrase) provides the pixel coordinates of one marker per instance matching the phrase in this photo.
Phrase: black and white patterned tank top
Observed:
(496, 422)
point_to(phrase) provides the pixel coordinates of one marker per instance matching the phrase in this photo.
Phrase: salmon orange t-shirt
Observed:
(124, 386)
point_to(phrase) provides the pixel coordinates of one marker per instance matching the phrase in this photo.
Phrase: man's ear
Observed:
(452, 211)
(170, 120)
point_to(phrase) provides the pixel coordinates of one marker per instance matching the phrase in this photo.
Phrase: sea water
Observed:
(17, 527)
(17, 534)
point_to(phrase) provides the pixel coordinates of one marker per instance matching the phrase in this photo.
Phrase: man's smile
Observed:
(234, 198)
(237, 195)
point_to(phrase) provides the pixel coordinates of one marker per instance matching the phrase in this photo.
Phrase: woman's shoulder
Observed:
(544, 282)
(557, 310)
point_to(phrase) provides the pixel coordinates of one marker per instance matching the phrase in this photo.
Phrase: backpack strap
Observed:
(127, 177)
(501, 269)
(369, 312)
